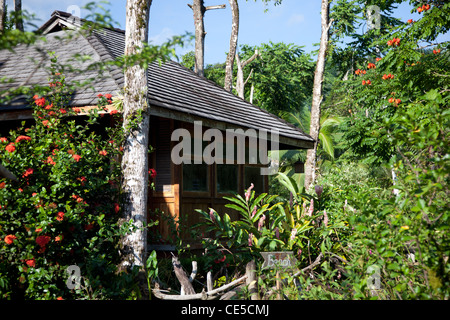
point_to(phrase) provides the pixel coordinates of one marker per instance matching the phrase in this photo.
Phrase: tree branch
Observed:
(220, 6)
(312, 265)
(253, 57)
(199, 296)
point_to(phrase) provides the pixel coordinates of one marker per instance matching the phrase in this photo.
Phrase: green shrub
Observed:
(63, 209)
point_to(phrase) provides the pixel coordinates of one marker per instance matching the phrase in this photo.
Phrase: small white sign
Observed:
(279, 259)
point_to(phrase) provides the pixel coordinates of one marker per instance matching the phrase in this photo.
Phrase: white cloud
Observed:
(296, 19)
(162, 37)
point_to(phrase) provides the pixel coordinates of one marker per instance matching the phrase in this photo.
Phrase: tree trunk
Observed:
(2, 15)
(18, 10)
(233, 44)
(240, 83)
(199, 10)
(136, 126)
(310, 166)
(199, 13)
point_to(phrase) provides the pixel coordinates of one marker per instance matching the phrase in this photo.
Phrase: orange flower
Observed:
(391, 100)
(394, 41)
(398, 101)
(20, 138)
(50, 161)
(76, 157)
(108, 96)
(38, 230)
(377, 59)
(103, 153)
(410, 21)
(31, 262)
(9, 239)
(60, 216)
(58, 238)
(28, 172)
(371, 66)
(40, 102)
(59, 298)
(10, 147)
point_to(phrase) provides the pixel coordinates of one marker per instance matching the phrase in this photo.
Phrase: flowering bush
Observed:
(63, 209)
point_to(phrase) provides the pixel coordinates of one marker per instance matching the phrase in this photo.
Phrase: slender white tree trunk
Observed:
(233, 44)
(136, 125)
(310, 165)
(240, 83)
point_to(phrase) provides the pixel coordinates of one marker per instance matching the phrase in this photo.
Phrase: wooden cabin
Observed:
(178, 98)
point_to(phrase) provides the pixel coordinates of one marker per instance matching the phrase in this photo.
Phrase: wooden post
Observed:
(252, 281)
(278, 285)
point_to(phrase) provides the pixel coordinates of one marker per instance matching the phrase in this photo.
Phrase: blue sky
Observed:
(294, 21)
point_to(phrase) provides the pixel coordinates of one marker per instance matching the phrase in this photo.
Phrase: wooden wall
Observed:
(169, 196)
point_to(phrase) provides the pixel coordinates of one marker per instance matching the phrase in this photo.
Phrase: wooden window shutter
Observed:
(163, 168)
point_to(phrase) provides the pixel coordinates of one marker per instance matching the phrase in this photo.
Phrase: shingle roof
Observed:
(174, 91)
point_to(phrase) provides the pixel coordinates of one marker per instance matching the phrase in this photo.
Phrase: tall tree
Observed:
(18, 11)
(282, 76)
(310, 165)
(233, 44)
(136, 123)
(199, 10)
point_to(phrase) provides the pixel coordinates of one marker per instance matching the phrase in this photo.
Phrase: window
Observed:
(253, 175)
(227, 178)
(195, 177)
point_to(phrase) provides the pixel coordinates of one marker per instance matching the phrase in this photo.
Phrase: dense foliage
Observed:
(61, 214)
(385, 198)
